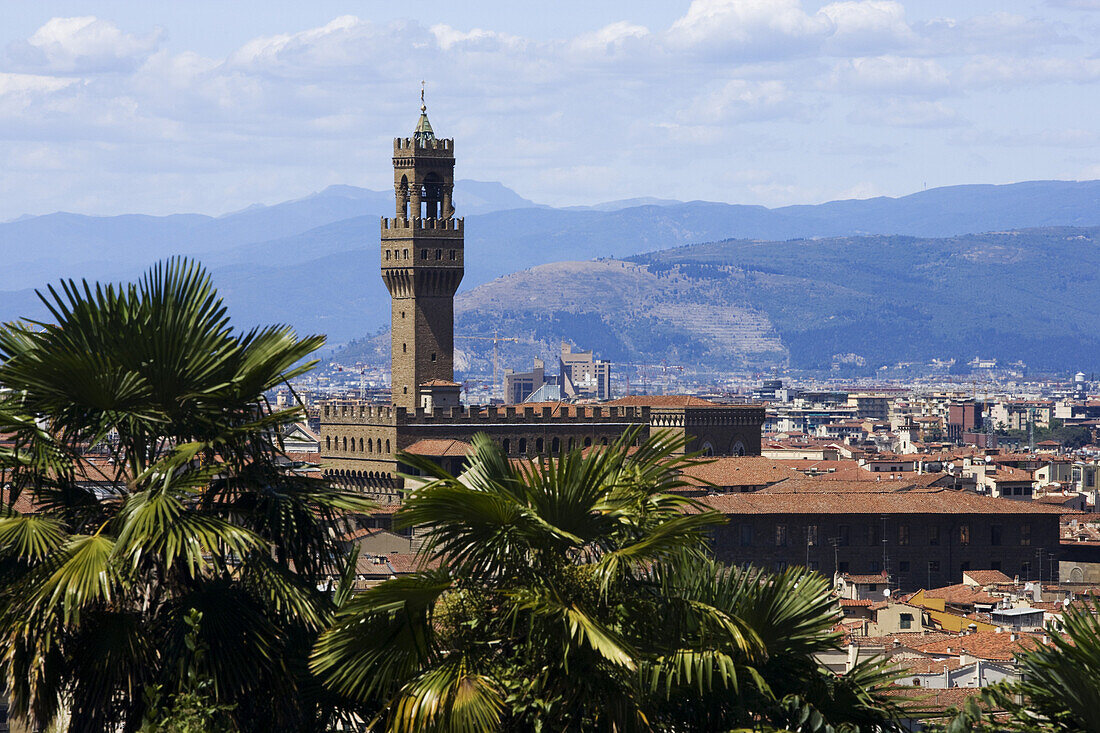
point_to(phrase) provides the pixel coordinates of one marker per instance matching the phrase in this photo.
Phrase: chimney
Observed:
(1013, 636)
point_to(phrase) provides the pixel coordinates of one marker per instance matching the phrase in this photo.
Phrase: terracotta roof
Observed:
(983, 644)
(853, 603)
(923, 699)
(24, 504)
(988, 577)
(437, 447)
(671, 400)
(865, 578)
(925, 665)
(917, 501)
(830, 485)
(1007, 473)
(738, 471)
(962, 595)
(409, 562)
(911, 639)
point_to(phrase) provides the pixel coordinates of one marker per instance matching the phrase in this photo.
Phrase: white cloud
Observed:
(31, 83)
(298, 110)
(82, 45)
(906, 113)
(894, 74)
(873, 26)
(747, 28)
(744, 101)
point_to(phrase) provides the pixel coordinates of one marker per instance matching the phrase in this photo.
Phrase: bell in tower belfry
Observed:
(422, 266)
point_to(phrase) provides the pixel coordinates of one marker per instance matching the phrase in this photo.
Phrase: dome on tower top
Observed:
(423, 133)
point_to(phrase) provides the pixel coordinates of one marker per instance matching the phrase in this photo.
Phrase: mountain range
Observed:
(313, 263)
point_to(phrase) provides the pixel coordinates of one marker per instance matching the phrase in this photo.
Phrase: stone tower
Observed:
(422, 265)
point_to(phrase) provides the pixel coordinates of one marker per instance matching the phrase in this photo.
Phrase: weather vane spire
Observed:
(423, 107)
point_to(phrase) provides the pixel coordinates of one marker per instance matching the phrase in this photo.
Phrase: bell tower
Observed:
(422, 265)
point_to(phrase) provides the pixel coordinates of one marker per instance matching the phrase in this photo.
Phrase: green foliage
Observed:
(576, 594)
(185, 548)
(193, 708)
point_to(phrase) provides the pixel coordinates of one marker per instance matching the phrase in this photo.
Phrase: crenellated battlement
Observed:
(374, 414)
(408, 146)
(523, 414)
(403, 227)
(357, 413)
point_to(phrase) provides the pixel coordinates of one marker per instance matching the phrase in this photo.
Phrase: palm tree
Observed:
(141, 439)
(576, 593)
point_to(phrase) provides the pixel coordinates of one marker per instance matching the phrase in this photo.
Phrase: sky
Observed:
(126, 106)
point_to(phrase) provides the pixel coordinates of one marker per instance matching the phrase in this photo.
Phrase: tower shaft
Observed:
(422, 264)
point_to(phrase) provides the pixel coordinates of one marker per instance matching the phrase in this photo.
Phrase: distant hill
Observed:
(1027, 294)
(313, 262)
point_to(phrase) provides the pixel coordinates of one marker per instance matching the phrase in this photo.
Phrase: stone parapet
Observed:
(401, 227)
(405, 146)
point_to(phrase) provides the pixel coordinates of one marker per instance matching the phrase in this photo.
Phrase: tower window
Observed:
(406, 254)
(406, 390)
(439, 254)
(523, 446)
(507, 445)
(387, 254)
(404, 348)
(423, 254)
(453, 254)
(387, 446)
(538, 445)
(433, 357)
(402, 314)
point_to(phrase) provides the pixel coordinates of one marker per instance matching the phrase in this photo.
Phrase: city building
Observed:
(921, 537)
(422, 265)
(583, 376)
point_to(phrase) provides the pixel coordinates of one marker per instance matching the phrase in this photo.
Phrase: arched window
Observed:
(328, 442)
(378, 445)
(345, 442)
(387, 446)
(507, 446)
(555, 446)
(738, 449)
(353, 445)
(603, 441)
(587, 442)
(360, 445)
(538, 445)
(708, 449)
(523, 446)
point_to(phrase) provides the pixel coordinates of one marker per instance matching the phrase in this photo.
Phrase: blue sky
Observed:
(111, 106)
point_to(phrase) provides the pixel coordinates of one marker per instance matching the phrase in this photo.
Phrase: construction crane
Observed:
(496, 339)
(643, 368)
